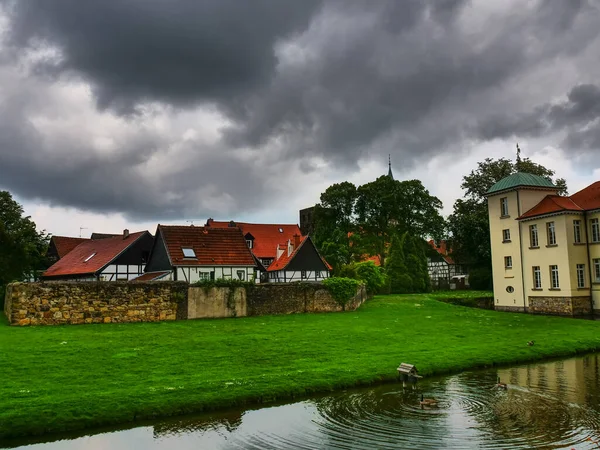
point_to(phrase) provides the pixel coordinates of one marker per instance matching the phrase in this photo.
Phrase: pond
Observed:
(546, 405)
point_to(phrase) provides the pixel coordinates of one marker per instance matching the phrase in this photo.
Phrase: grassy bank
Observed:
(72, 377)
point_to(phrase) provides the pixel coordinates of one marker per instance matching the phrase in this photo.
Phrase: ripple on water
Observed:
(471, 413)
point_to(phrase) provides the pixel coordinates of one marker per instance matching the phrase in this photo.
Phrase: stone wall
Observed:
(57, 303)
(476, 302)
(216, 302)
(288, 298)
(94, 302)
(561, 306)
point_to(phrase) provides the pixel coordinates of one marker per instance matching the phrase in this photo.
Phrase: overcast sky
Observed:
(121, 114)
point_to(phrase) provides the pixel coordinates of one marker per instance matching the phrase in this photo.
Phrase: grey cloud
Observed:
(578, 116)
(179, 51)
(339, 79)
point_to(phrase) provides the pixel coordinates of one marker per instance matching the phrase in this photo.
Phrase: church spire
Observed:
(518, 155)
(390, 167)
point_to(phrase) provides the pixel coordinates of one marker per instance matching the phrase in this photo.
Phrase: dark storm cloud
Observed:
(578, 116)
(177, 51)
(340, 80)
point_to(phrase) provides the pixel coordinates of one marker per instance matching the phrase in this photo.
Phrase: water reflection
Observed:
(549, 405)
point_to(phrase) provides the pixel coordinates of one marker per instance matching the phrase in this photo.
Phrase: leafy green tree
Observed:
(367, 272)
(22, 247)
(469, 222)
(396, 270)
(334, 223)
(386, 207)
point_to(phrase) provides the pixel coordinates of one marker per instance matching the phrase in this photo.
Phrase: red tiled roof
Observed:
(65, 244)
(552, 204)
(213, 246)
(104, 251)
(266, 236)
(284, 259)
(442, 249)
(150, 276)
(589, 197)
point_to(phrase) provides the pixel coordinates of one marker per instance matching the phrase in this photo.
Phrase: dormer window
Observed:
(249, 242)
(89, 257)
(188, 252)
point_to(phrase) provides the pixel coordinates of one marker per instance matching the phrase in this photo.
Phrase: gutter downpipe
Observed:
(521, 252)
(587, 250)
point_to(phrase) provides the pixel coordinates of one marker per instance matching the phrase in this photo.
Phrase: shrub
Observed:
(480, 279)
(371, 275)
(341, 289)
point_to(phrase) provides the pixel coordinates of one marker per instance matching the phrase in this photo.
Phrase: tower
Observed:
(390, 167)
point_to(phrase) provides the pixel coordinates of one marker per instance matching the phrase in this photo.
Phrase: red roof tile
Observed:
(589, 197)
(552, 204)
(266, 236)
(442, 249)
(104, 251)
(150, 276)
(212, 246)
(284, 259)
(64, 244)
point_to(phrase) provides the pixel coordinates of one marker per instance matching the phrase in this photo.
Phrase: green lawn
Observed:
(72, 377)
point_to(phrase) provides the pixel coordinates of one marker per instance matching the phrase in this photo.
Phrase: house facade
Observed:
(298, 260)
(191, 254)
(119, 258)
(441, 267)
(545, 247)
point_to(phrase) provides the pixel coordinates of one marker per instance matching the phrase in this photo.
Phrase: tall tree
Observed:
(22, 247)
(385, 207)
(469, 222)
(334, 223)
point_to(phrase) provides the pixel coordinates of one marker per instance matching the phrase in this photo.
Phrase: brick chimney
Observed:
(125, 233)
(296, 241)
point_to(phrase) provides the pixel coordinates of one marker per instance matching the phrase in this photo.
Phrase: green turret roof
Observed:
(521, 179)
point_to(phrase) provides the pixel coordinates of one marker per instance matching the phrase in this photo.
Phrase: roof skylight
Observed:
(89, 257)
(188, 252)
(281, 230)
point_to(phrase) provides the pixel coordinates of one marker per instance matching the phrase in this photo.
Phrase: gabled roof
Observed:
(284, 259)
(552, 204)
(267, 236)
(521, 179)
(212, 246)
(104, 251)
(65, 244)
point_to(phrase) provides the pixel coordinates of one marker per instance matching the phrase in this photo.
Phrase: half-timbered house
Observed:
(191, 253)
(298, 260)
(119, 258)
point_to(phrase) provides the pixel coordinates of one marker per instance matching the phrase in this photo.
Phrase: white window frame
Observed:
(581, 276)
(504, 207)
(249, 242)
(534, 237)
(554, 279)
(577, 231)
(508, 262)
(597, 269)
(537, 277)
(204, 276)
(595, 230)
(551, 231)
(506, 235)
